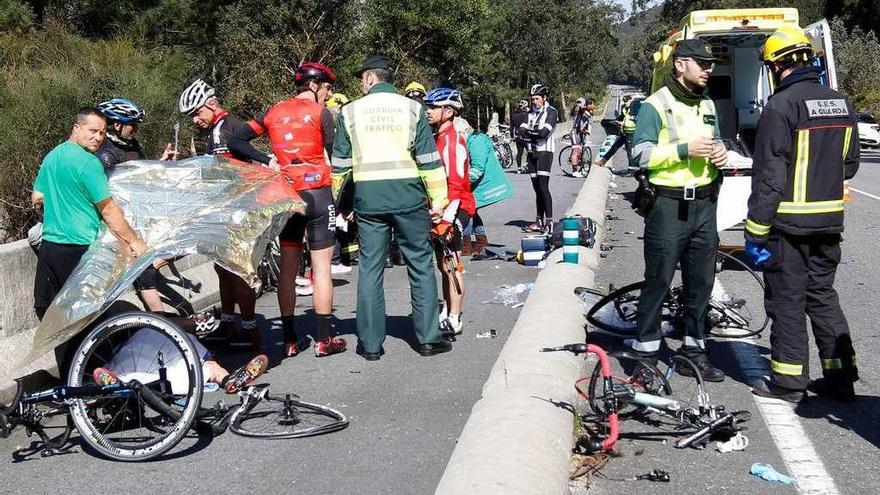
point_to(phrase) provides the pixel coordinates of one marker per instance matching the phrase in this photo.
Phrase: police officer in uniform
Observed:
(807, 144)
(675, 142)
(384, 145)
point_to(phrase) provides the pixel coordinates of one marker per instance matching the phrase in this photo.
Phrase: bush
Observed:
(46, 76)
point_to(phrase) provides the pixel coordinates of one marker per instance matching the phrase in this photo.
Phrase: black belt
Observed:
(689, 193)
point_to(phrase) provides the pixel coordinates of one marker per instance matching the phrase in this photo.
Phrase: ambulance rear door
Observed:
(820, 37)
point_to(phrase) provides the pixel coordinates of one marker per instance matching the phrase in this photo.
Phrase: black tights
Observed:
(539, 170)
(520, 149)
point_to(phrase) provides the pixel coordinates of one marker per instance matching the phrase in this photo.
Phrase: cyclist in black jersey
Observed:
(123, 118)
(199, 102)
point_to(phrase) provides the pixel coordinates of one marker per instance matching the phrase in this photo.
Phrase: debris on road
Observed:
(767, 472)
(491, 334)
(509, 296)
(737, 442)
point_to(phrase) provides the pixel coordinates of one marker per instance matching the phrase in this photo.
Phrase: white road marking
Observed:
(792, 442)
(863, 192)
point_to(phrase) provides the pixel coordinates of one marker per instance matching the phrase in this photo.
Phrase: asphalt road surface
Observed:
(832, 448)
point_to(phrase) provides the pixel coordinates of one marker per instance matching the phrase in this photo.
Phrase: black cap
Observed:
(695, 49)
(374, 62)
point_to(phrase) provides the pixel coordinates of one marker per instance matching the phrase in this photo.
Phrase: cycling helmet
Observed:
(523, 104)
(195, 96)
(414, 89)
(540, 90)
(313, 70)
(444, 97)
(337, 100)
(581, 102)
(121, 110)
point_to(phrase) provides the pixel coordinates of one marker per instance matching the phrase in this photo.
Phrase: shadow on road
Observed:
(860, 417)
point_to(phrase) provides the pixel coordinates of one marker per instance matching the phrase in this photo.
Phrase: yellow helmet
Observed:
(787, 42)
(415, 89)
(337, 100)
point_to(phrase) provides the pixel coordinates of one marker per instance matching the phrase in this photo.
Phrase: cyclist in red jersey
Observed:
(443, 104)
(300, 131)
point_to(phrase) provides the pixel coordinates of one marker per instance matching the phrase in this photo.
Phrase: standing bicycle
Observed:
(580, 133)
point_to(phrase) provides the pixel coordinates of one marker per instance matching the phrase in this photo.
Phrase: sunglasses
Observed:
(704, 64)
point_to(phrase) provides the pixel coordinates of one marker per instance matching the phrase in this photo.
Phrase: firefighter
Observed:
(806, 145)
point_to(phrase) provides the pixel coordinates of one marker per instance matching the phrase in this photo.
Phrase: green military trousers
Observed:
(678, 231)
(412, 233)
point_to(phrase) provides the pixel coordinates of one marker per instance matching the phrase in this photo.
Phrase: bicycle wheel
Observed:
(586, 160)
(617, 312)
(736, 307)
(564, 160)
(263, 415)
(507, 156)
(630, 374)
(159, 391)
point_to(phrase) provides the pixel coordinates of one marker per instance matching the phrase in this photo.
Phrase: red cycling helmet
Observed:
(313, 70)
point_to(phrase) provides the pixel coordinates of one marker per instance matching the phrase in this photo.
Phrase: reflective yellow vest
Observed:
(680, 123)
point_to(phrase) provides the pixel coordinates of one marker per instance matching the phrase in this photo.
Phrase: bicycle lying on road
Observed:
(564, 158)
(155, 401)
(613, 394)
(730, 313)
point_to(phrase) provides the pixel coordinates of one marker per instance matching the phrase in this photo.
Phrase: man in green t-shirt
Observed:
(72, 190)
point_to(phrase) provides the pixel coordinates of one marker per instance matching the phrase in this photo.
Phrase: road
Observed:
(406, 411)
(832, 447)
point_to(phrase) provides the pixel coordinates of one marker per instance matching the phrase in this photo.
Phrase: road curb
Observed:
(519, 436)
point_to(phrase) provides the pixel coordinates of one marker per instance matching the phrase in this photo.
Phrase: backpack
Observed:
(586, 233)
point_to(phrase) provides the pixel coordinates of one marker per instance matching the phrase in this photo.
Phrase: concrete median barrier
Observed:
(519, 436)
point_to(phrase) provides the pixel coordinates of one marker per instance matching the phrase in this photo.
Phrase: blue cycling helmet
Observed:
(121, 110)
(444, 97)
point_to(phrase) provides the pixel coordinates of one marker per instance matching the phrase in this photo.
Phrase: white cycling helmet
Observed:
(195, 96)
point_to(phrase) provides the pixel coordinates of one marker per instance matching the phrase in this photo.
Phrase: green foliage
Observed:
(15, 16)
(46, 76)
(857, 54)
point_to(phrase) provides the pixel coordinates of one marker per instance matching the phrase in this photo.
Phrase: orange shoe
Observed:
(291, 349)
(245, 375)
(330, 346)
(104, 377)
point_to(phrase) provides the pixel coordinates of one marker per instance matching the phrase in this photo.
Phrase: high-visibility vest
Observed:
(629, 122)
(681, 123)
(382, 127)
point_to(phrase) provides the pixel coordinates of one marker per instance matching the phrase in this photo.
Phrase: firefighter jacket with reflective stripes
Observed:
(383, 143)
(807, 144)
(667, 121)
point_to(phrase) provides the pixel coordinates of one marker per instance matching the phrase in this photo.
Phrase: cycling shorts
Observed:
(577, 138)
(318, 224)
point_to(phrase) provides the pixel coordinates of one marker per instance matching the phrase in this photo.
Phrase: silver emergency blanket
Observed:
(220, 208)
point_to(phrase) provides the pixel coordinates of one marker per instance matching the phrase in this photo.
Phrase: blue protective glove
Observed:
(767, 472)
(758, 253)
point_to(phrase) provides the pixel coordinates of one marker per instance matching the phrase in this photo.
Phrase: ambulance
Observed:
(741, 84)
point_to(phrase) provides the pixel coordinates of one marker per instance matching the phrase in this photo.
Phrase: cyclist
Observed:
(415, 91)
(300, 131)
(443, 105)
(537, 131)
(580, 130)
(519, 117)
(200, 102)
(627, 123)
(120, 145)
